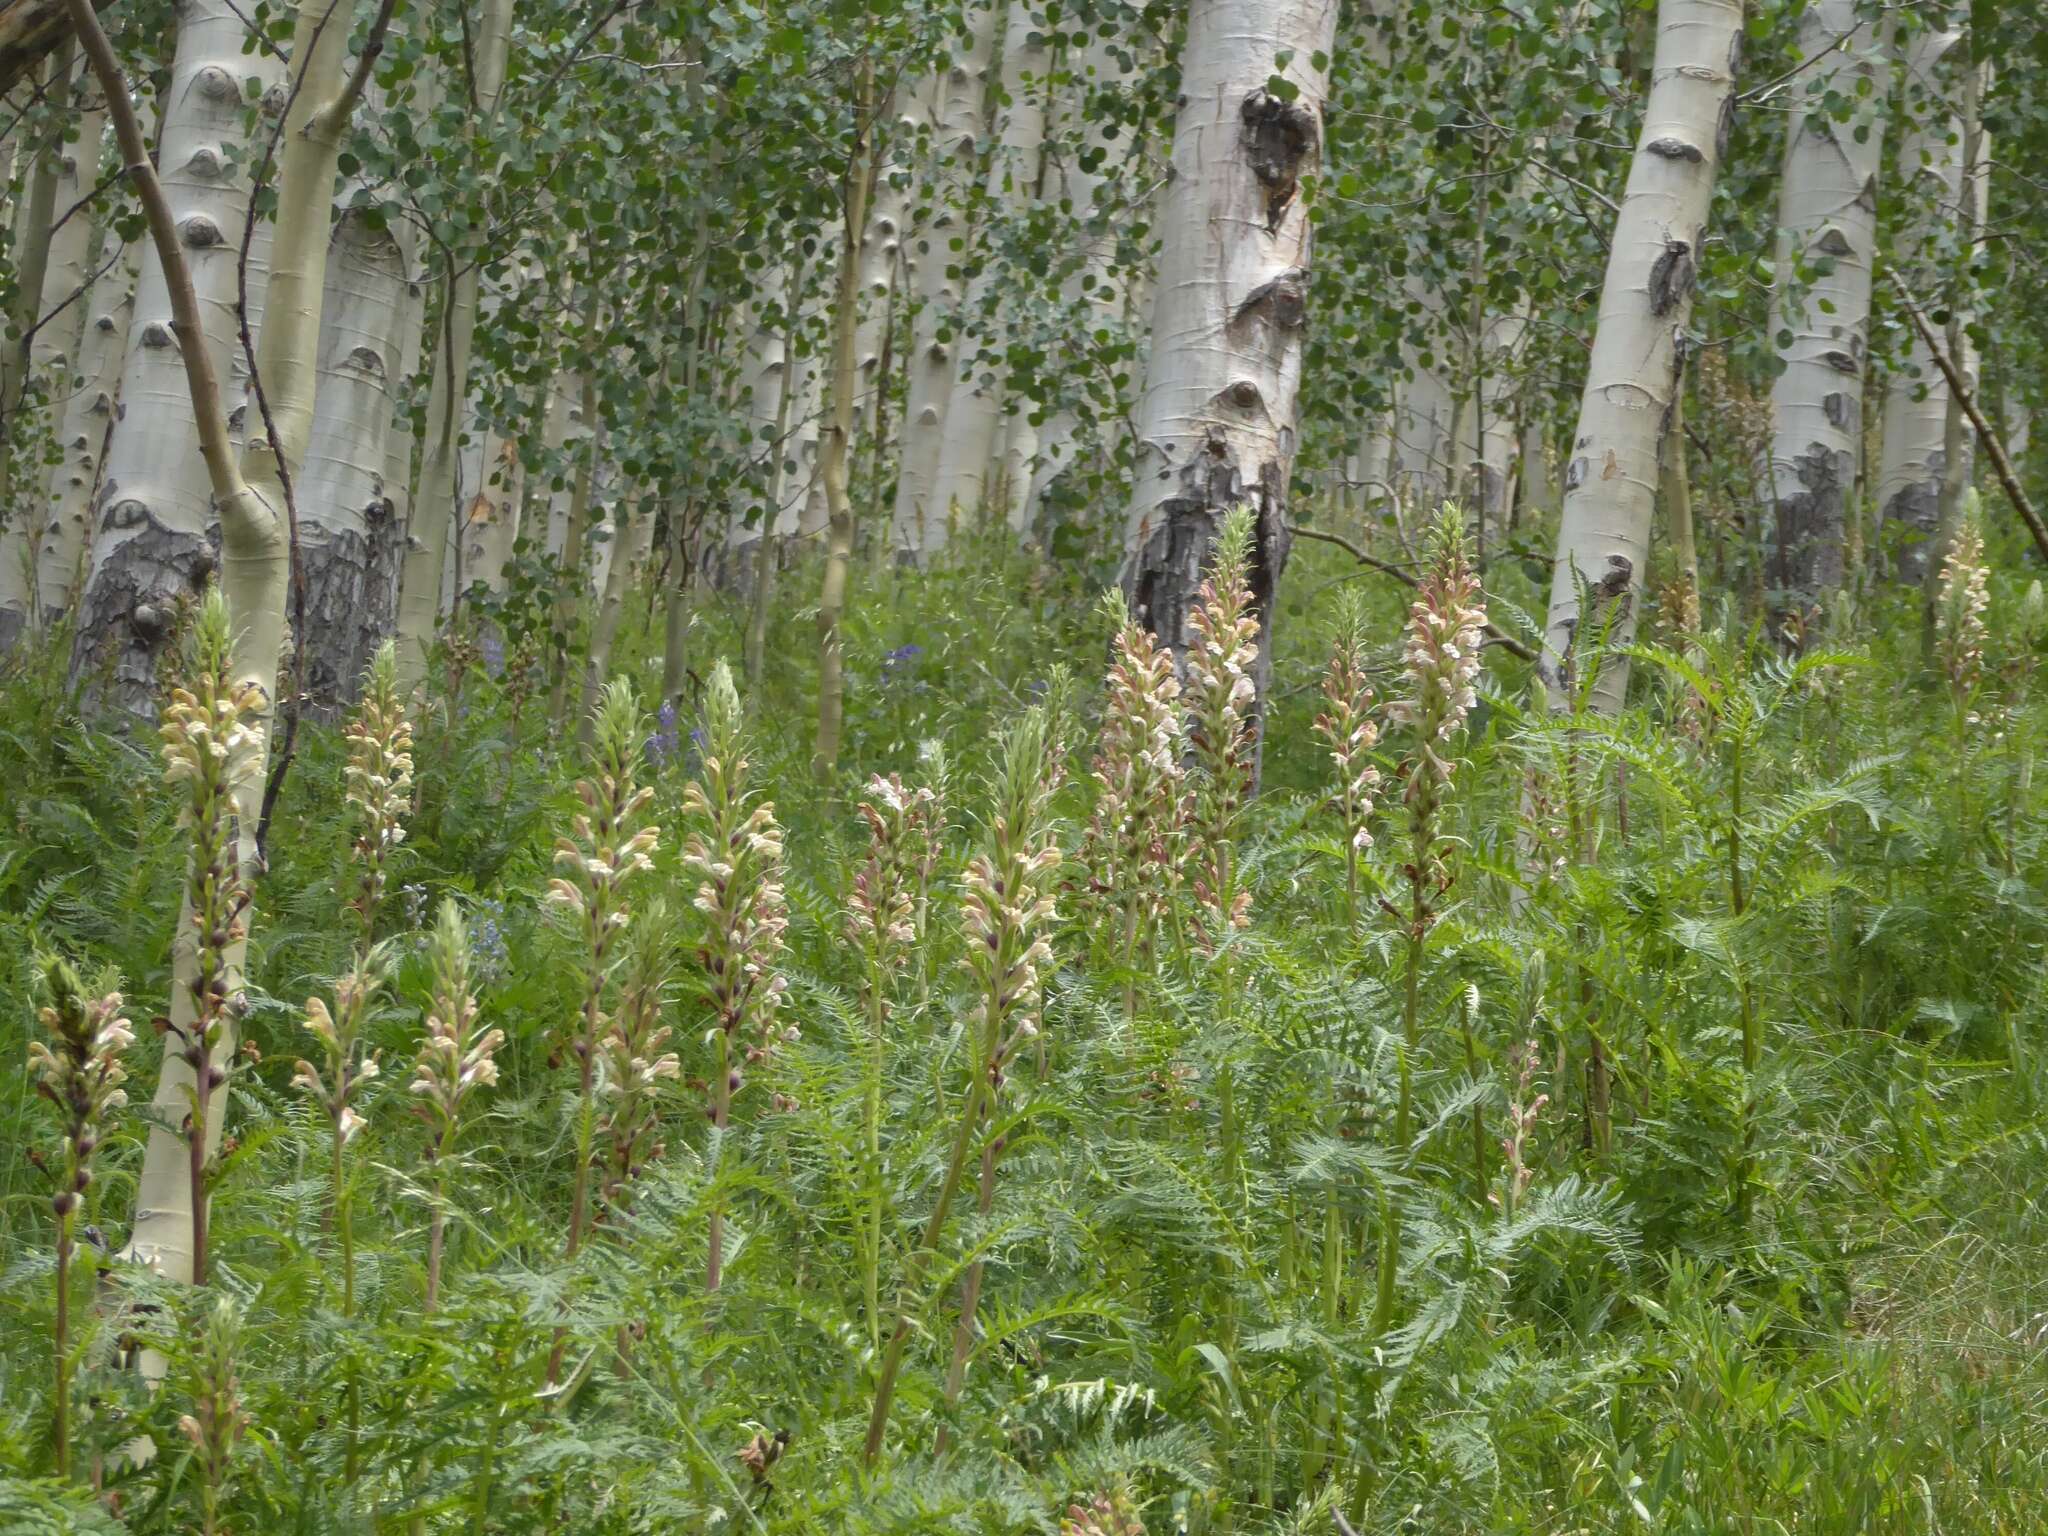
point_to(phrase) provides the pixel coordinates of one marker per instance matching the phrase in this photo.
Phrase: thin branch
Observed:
(343, 107)
(1494, 633)
(2014, 492)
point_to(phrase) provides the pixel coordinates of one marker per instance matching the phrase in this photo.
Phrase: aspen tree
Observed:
(1216, 425)
(154, 539)
(433, 507)
(1827, 239)
(1632, 376)
(959, 120)
(250, 490)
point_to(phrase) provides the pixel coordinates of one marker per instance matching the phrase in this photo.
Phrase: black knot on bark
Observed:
(1278, 136)
(1671, 277)
(1670, 148)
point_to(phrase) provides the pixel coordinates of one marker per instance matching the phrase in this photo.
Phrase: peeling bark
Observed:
(1216, 426)
(1633, 375)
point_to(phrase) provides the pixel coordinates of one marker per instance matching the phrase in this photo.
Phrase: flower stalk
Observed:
(212, 740)
(79, 1072)
(1006, 911)
(1138, 769)
(881, 922)
(379, 778)
(456, 1059)
(735, 849)
(1346, 723)
(606, 847)
(1223, 651)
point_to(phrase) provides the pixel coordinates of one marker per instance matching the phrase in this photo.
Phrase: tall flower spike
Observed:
(881, 915)
(1346, 723)
(735, 849)
(1446, 629)
(1960, 604)
(1138, 770)
(632, 1061)
(455, 1060)
(79, 1072)
(339, 1032)
(1222, 653)
(1008, 906)
(211, 744)
(379, 781)
(215, 1425)
(605, 849)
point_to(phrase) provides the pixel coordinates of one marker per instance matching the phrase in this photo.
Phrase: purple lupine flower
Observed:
(663, 745)
(488, 947)
(900, 660)
(494, 654)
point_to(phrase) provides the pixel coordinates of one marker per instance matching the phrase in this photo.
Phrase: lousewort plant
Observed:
(78, 1070)
(734, 848)
(210, 744)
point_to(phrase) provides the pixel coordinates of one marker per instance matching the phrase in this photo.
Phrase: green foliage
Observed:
(1179, 1260)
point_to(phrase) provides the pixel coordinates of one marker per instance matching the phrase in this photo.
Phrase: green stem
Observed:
(871, 1251)
(935, 1225)
(61, 1405)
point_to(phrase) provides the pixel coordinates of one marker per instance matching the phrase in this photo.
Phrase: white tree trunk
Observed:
(51, 542)
(972, 446)
(255, 548)
(1425, 410)
(1827, 241)
(26, 376)
(155, 535)
(1632, 376)
(1930, 176)
(83, 432)
(350, 537)
(1216, 425)
(956, 131)
(433, 509)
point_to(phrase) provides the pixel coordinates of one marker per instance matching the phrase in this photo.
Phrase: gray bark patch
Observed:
(130, 609)
(351, 598)
(1810, 522)
(1278, 137)
(1671, 277)
(1166, 574)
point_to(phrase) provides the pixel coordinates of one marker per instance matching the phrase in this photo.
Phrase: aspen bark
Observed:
(1632, 376)
(957, 128)
(155, 536)
(82, 435)
(254, 564)
(433, 508)
(856, 188)
(34, 260)
(974, 415)
(632, 541)
(351, 539)
(1930, 173)
(1216, 424)
(1827, 239)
